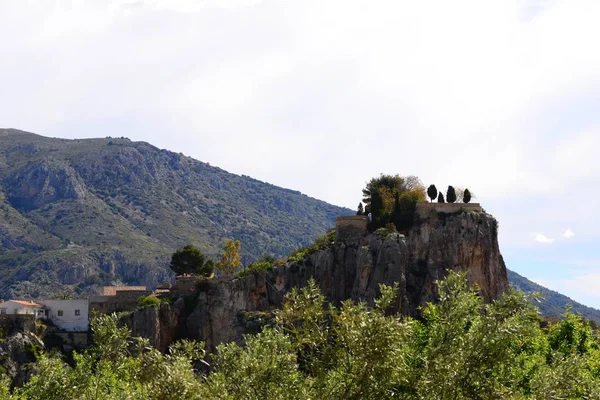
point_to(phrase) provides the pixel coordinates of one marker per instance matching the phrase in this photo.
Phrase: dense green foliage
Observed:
(462, 348)
(441, 198)
(190, 260)
(148, 301)
(392, 199)
(260, 267)
(130, 205)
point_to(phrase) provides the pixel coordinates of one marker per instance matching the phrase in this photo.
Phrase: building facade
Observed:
(69, 315)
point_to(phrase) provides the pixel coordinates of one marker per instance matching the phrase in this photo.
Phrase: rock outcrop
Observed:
(459, 242)
(16, 352)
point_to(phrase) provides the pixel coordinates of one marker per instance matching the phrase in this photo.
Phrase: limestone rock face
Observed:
(460, 242)
(43, 182)
(159, 324)
(15, 353)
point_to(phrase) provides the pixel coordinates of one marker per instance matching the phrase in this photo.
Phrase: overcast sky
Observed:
(502, 97)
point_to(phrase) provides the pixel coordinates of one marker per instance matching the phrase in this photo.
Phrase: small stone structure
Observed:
(125, 298)
(351, 228)
(184, 285)
(424, 209)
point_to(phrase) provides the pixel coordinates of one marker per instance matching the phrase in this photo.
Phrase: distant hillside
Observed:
(79, 213)
(554, 303)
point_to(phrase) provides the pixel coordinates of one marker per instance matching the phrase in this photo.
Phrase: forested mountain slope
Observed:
(554, 303)
(78, 213)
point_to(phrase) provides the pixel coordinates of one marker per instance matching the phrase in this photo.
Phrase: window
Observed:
(60, 313)
(77, 313)
(2, 311)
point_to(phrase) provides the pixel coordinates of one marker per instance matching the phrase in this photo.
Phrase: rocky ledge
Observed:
(440, 242)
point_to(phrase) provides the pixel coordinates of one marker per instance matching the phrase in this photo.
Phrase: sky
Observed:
(319, 96)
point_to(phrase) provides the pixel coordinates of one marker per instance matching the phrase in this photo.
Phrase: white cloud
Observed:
(569, 233)
(540, 238)
(319, 96)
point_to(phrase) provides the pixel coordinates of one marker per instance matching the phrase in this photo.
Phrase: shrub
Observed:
(320, 243)
(148, 301)
(261, 266)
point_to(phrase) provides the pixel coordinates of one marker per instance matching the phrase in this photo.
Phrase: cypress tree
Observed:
(441, 198)
(432, 192)
(360, 210)
(466, 196)
(451, 195)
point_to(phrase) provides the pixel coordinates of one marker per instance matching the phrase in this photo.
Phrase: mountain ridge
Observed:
(112, 210)
(79, 213)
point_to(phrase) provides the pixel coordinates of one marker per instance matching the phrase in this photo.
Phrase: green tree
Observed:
(440, 198)
(230, 259)
(451, 195)
(466, 196)
(190, 260)
(381, 193)
(360, 210)
(432, 192)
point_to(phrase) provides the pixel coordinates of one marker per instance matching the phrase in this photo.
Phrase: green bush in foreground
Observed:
(462, 348)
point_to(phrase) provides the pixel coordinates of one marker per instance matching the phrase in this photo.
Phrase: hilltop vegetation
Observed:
(460, 349)
(75, 214)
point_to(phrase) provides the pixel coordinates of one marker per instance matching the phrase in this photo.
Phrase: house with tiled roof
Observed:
(69, 315)
(21, 307)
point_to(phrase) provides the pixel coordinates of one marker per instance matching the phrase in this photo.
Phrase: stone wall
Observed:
(124, 300)
(351, 228)
(17, 323)
(424, 209)
(112, 290)
(184, 285)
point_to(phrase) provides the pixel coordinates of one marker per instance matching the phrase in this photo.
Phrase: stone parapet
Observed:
(351, 228)
(424, 209)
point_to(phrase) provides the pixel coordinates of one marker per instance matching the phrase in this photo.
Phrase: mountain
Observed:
(554, 303)
(75, 214)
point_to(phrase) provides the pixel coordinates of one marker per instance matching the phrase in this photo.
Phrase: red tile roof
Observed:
(26, 303)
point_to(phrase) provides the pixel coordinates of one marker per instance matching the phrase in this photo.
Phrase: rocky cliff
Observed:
(461, 242)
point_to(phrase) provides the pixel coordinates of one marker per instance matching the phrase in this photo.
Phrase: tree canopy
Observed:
(461, 348)
(230, 259)
(451, 195)
(466, 196)
(432, 192)
(190, 260)
(383, 198)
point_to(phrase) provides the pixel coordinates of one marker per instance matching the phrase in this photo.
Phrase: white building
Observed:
(21, 307)
(70, 315)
